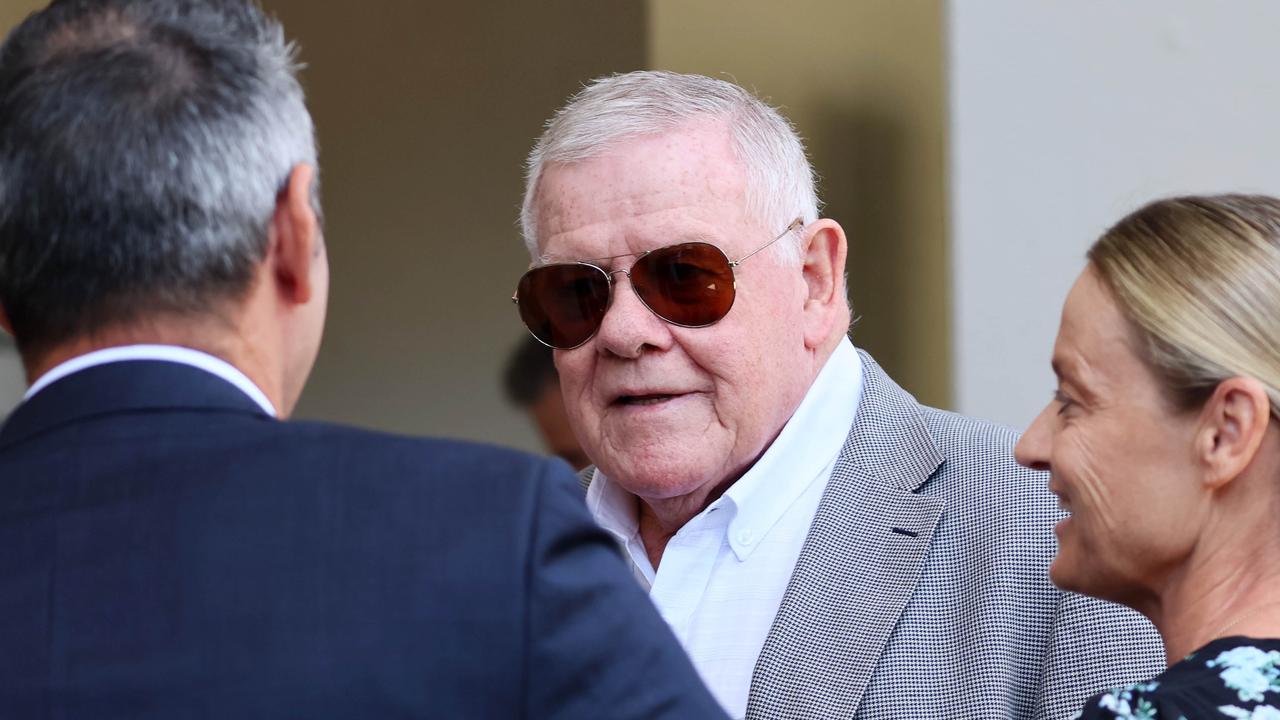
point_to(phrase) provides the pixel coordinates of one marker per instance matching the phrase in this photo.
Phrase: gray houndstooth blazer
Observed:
(922, 589)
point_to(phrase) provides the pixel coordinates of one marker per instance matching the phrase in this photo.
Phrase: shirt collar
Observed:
(613, 508)
(166, 353)
(808, 443)
(804, 449)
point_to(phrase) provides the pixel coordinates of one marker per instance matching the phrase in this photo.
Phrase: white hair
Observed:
(617, 108)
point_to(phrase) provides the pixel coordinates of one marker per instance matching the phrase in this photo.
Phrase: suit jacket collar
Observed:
(860, 563)
(128, 386)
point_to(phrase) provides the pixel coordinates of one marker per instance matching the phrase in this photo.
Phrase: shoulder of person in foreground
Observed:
(595, 647)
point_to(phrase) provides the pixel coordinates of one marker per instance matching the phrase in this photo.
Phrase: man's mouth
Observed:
(649, 399)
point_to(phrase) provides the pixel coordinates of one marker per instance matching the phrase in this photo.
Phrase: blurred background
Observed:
(972, 149)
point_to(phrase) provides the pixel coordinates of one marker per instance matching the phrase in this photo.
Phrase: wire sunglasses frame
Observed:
(730, 265)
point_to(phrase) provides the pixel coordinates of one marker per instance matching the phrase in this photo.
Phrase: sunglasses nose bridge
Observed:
(613, 282)
(614, 290)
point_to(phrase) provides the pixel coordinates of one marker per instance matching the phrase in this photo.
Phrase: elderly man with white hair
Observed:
(822, 545)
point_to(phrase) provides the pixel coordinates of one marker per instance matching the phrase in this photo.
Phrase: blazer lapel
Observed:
(859, 565)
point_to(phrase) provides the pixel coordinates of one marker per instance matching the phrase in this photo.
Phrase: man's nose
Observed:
(629, 326)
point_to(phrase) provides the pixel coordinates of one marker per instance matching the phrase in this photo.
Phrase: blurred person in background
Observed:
(823, 545)
(531, 384)
(1162, 442)
(168, 546)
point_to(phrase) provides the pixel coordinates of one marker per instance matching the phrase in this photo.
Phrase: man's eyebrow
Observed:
(552, 259)
(674, 239)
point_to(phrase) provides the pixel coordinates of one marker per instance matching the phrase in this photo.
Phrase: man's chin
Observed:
(658, 479)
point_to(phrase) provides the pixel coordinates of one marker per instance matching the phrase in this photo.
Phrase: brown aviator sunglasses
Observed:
(688, 284)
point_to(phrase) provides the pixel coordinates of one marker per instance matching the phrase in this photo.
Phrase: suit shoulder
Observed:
(953, 427)
(408, 455)
(976, 448)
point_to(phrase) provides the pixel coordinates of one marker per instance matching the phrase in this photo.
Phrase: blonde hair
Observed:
(1199, 278)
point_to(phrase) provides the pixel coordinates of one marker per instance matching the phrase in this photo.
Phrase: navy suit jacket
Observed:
(168, 550)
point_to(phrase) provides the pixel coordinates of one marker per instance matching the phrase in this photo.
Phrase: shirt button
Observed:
(745, 537)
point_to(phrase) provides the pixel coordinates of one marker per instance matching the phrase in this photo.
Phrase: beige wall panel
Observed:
(12, 12)
(864, 83)
(425, 112)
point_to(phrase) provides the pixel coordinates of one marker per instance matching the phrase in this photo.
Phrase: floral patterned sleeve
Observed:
(1134, 702)
(1230, 678)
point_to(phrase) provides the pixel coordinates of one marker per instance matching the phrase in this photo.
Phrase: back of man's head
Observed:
(142, 147)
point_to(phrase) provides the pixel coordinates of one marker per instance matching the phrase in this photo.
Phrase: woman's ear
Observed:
(1232, 426)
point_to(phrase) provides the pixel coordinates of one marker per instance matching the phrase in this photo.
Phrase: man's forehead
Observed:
(654, 181)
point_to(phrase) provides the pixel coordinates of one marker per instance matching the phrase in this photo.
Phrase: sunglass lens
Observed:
(690, 284)
(562, 305)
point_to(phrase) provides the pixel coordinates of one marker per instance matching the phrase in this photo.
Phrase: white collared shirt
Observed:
(165, 353)
(723, 574)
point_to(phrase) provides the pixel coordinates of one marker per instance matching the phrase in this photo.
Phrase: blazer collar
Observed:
(860, 563)
(127, 386)
(890, 441)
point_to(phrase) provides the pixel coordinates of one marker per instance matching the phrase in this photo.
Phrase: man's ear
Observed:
(4, 321)
(823, 254)
(1232, 426)
(294, 237)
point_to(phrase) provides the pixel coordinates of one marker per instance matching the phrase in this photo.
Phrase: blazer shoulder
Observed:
(408, 456)
(951, 428)
(978, 450)
(324, 432)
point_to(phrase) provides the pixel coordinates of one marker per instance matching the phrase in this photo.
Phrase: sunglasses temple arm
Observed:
(796, 224)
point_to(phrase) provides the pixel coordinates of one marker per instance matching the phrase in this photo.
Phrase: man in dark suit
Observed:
(169, 547)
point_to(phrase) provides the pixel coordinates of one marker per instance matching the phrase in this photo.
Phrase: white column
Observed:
(1064, 116)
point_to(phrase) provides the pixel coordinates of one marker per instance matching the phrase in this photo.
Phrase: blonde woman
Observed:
(1163, 444)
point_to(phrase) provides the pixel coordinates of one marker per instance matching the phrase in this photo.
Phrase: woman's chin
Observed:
(1065, 571)
(1061, 575)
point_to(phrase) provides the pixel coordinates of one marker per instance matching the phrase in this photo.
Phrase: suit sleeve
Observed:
(597, 648)
(1094, 645)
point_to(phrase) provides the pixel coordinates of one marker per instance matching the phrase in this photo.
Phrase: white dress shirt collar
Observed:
(165, 353)
(724, 573)
(805, 447)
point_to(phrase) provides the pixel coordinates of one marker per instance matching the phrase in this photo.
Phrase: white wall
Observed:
(1065, 115)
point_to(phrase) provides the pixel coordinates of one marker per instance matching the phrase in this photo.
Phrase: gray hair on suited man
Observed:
(196, 110)
(617, 108)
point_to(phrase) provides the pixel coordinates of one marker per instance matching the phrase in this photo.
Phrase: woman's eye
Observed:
(1063, 401)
